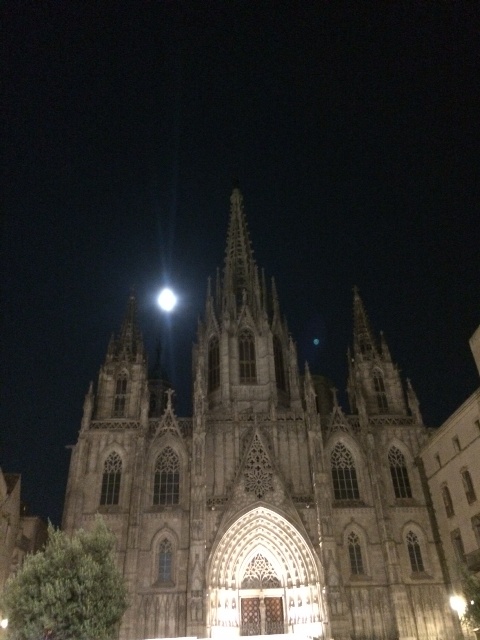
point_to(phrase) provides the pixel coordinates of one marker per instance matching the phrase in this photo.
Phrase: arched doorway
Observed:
(264, 578)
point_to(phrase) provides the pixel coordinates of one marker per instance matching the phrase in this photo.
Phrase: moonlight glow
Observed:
(167, 299)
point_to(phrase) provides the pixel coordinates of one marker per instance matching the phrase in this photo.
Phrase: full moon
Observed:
(167, 299)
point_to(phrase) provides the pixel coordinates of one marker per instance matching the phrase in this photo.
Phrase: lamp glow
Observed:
(167, 300)
(4, 623)
(458, 604)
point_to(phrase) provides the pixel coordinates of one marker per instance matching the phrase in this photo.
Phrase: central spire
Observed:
(239, 274)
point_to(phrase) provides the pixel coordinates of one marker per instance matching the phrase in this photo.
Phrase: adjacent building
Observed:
(19, 533)
(272, 509)
(452, 466)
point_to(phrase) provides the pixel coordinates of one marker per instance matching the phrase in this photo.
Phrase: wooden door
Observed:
(274, 616)
(250, 617)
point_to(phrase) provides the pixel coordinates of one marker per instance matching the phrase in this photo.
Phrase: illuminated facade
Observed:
(451, 466)
(271, 510)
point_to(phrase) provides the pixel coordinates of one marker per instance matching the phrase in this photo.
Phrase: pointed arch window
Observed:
(120, 395)
(166, 482)
(414, 552)
(278, 360)
(355, 554)
(213, 364)
(165, 562)
(344, 474)
(112, 475)
(379, 386)
(399, 473)
(246, 357)
(447, 501)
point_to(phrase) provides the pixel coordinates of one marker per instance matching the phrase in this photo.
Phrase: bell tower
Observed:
(123, 376)
(244, 352)
(374, 380)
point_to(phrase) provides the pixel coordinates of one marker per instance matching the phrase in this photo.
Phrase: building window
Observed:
(468, 486)
(476, 527)
(246, 357)
(278, 359)
(165, 562)
(355, 554)
(477, 424)
(344, 475)
(213, 364)
(456, 444)
(457, 543)
(379, 386)
(112, 475)
(437, 460)
(166, 483)
(399, 473)
(120, 396)
(414, 552)
(447, 501)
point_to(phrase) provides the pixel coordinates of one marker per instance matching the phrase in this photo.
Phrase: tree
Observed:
(471, 590)
(72, 590)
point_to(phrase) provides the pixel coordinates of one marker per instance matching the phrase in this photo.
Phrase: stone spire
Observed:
(129, 344)
(239, 272)
(363, 341)
(413, 403)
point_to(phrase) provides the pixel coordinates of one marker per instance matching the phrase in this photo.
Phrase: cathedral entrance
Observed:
(264, 580)
(262, 616)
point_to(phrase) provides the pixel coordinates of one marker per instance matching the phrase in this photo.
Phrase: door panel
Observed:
(250, 617)
(274, 616)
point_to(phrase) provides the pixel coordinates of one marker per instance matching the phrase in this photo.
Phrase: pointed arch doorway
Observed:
(264, 579)
(261, 598)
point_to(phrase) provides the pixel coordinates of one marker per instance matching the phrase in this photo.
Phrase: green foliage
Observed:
(72, 588)
(471, 590)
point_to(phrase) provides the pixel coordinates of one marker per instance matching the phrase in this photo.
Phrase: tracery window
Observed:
(355, 554)
(112, 475)
(379, 386)
(468, 486)
(166, 482)
(246, 357)
(260, 574)
(165, 561)
(399, 473)
(344, 474)
(120, 396)
(258, 471)
(447, 501)
(414, 552)
(213, 364)
(278, 360)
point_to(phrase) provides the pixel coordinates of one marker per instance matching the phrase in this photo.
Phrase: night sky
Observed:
(353, 130)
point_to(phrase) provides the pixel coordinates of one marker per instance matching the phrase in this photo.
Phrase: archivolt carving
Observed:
(262, 531)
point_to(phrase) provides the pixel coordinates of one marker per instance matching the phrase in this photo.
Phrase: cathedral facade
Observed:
(271, 510)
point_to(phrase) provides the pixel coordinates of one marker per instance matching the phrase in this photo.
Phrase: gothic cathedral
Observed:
(271, 510)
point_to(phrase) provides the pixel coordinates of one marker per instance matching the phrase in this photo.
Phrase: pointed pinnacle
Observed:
(362, 333)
